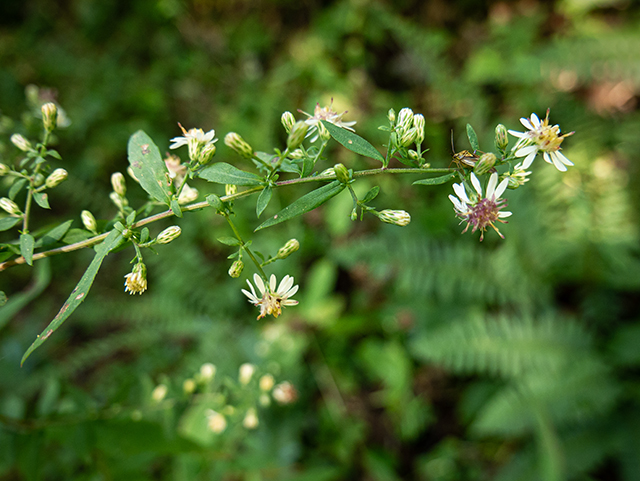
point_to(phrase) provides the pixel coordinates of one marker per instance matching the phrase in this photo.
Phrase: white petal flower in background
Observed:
(328, 114)
(272, 300)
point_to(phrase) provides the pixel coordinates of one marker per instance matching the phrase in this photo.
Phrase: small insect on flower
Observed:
(272, 300)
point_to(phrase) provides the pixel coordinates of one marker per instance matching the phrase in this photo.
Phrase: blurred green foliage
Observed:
(416, 353)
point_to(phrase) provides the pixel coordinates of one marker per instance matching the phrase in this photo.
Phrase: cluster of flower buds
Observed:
(118, 196)
(201, 145)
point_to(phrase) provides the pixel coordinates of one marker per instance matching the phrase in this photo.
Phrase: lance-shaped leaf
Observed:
(435, 180)
(54, 235)
(148, 167)
(353, 142)
(7, 223)
(26, 247)
(79, 294)
(473, 138)
(305, 203)
(223, 173)
(263, 200)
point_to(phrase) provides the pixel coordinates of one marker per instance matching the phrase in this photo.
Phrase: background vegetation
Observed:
(417, 353)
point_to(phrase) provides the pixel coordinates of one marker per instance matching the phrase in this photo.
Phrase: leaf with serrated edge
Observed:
(305, 203)
(435, 180)
(79, 294)
(353, 142)
(148, 167)
(223, 173)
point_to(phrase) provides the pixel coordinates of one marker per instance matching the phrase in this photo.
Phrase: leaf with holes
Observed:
(79, 294)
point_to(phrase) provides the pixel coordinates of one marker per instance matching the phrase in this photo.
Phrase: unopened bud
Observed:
(342, 174)
(55, 178)
(329, 171)
(296, 154)
(237, 143)
(405, 120)
(207, 371)
(395, 217)
(189, 386)
(250, 420)
(10, 207)
(230, 189)
(236, 268)
(216, 422)
(20, 142)
(502, 139)
(289, 248)
(408, 137)
(49, 116)
(169, 234)
(207, 153)
(485, 163)
(413, 155)
(246, 373)
(297, 135)
(288, 121)
(89, 221)
(120, 202)
(4, 170)
(188, 194)
(118, 183)
(267, 382)
(323, 133)
(418, 124)
(391, 115)
(264, 400)
(285, 393)
(38, 179)
(159, 392)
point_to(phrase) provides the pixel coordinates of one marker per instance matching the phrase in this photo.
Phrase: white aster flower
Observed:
(195, 139)
(272, 300)
(328, 114)
(136, 281)
(478, 210)
(541, 137)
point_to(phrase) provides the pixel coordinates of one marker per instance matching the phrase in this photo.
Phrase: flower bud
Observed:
(20, 142)
(342, 174)
(395, 217)
(405, 120)
(136, 281)
(246, 373)
(323, 133)
(267, 382)
(159, 393)
(4, 170)
(207, 153)
(55, 178)
(413, 155)
(250, 420)
(188, 386)
(289, 248)
(89, 221)
(237, 143)
(297, 135)
(207, 371)
(296, 154)
(329, 171)
(408, 137)
(502, 140)
(288, 121)
(230, 189)
(120, 202)
(188, 194)
(118, 183)
(38, 180)
(49, 116)
(418, 124)
(285, 393)
(10, 207)
(485, 163)
(216, 422)
(518, 177)
(391, 115)
(264, 400)
(236, 268)
(169, 234)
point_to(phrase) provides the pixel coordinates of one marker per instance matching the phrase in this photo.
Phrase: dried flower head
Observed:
(272, 300)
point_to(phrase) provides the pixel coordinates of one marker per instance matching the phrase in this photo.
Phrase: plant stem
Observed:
(245, 247)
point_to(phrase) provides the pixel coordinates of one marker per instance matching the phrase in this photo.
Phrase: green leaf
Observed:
(214, 201)
(175, 208)
(16, 188)
(8, 222)
(223, 173)
(42, 199)
(79, 294)
(473, 138)
(76, 235)
(41, 279)
(3, 299)
(148, 167)
(229, 241)
(435, 180)
(305, 203)
(353, 142)
(54, 235)
(26, 247)
(263, 200)
(144, 235)
(372, 194)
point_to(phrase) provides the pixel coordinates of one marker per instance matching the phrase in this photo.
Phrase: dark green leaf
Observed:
(8, 222)
(229, 241)
(214, 201)
(16, 188)
(353, 142)
(42, 199)
(473, 138)
(76, 235)
(263, 200)
(148, 167)
(26, 247)
(372, 194)
(54, 154)
(3, 299)
(79, 294)
(54, 235)
(305, 203)
(144, 235)
(435, 180)
(131, 218)
(175, 208)
(223, 173)
(308, 164)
